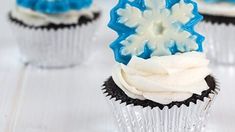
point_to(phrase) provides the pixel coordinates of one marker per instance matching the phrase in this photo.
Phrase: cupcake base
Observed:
(55, 46)
(219, 33)
(133, 115)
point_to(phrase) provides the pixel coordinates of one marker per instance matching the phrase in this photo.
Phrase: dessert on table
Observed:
(218, 28)
(161, 82)
(54, 33)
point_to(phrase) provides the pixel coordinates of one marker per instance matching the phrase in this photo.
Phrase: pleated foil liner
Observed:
(190, 118)
(55, 48)
(219, 41)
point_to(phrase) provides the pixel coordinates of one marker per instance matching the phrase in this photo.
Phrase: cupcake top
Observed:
(43, 12)
(159, 54)
(54, 6)
(217, 7)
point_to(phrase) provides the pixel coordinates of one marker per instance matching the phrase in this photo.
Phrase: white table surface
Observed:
(70, 100)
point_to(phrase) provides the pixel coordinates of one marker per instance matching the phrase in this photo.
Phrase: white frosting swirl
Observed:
(164, 79)
(217, 9)
(33, 18)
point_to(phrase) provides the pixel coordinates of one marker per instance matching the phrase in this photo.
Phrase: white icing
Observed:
(156, 26)
(217, 9)
(33, 18)
(163, 79)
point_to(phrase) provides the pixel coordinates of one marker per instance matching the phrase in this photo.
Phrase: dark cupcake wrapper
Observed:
(219, 19)
(114, 92)
(83, 20)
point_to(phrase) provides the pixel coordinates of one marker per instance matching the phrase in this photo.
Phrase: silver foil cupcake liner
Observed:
(219, 42)
(55, 48)
(190, 118)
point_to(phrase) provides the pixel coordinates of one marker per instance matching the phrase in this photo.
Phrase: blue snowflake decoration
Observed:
(154, 28)
(54, 6)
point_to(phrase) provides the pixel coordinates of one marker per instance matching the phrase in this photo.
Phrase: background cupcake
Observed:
(56, 33)
(218, 27)
(162, 81)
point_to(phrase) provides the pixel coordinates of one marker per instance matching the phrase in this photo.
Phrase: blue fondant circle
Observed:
(54, 6)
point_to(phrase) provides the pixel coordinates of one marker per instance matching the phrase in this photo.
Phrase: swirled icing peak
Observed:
(54, 6)
(149, 28)
(164, 79)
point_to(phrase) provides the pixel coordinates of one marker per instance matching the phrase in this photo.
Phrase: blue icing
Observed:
(54, 6)
(216, 1)
(124, 32)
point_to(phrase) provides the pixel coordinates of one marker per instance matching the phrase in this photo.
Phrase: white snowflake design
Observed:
(158, 27)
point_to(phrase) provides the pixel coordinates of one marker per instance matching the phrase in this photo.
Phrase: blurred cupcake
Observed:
(54, 33)
(218, 28)
(162, 82)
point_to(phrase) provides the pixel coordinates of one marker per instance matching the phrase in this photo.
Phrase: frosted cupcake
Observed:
(161, 82)
(218, 27)
(54, 33)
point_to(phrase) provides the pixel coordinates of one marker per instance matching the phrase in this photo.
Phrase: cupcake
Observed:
(161, 82)
(54, 33)
(218, 28)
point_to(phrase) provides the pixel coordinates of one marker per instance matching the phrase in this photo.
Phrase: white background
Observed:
(70, 100)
